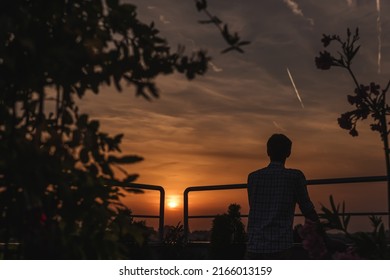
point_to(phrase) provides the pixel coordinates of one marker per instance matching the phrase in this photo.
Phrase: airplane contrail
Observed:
(295, 88)
(379, 27)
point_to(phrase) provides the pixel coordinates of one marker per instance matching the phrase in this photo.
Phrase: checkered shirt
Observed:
(273, 193)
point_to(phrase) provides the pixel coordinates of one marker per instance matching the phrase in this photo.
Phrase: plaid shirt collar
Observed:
(276, 164)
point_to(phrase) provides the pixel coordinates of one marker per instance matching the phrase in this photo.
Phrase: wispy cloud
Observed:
(379, 27)
(294, 7)
(278, 126)
(164, 20)
(191, 41)
(215, 68)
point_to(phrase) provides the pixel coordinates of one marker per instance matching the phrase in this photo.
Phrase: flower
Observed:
(345, 121)
(43, 219)
(374, 88)
(324, 61)
(349, 254)
(313, 241)
(326, 39)
(353, 132)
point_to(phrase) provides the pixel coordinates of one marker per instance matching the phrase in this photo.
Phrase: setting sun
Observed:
(172, 204)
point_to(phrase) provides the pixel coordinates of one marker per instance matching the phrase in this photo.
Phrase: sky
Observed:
(213, 130)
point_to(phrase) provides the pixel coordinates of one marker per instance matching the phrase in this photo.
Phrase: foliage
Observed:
(174, 235)
(370, 100)
(228, 227)
(359, 245)
(174, 242)
(227, 231)
(59, 182)
(334, 218)
(233, 40)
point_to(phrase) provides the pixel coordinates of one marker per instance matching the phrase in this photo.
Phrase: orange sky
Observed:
(213, 130)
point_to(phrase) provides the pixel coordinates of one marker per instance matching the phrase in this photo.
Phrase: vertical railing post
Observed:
(161, 210)
(162, 215)
(185, 218)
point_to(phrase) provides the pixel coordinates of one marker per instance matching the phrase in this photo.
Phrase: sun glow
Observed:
(172, 204)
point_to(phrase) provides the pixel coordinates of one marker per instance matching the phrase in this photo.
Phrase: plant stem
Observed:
(368, 100)
(353, 77)
(386, 147)
(385, 140)
(40, 118)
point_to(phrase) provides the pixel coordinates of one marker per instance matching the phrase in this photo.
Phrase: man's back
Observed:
(273, 193)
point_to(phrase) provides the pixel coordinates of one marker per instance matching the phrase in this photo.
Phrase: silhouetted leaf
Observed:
(205, 21)
(106, 169)
(201, 5)
(67, 118)
(84, 157)
(243, 43)
(124, 159)
(228, 49)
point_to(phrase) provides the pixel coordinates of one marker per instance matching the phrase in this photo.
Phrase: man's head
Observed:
(279, 147)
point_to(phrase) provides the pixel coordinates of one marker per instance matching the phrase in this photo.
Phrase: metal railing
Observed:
(331, 181)
(161, 208)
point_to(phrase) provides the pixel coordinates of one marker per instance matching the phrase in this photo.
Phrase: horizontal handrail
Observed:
(329, 181)
(297, 215)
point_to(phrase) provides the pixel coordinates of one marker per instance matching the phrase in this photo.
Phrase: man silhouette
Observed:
(273, 193)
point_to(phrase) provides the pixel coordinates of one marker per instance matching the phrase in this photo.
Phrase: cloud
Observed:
(294, 7)
(278, 126)
(163, 19)
(215, 68)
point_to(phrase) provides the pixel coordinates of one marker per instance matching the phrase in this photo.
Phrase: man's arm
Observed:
(303, 199)
(249, 188)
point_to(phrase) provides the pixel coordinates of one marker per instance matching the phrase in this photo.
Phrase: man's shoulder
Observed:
(295, 171)
(257, 172)
(291, 171)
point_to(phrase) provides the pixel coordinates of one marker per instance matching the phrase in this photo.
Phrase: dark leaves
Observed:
(334, 217)
(84, 157)
(324, 61)
(369, 100)
(232, 39)
(201, 5)
(326, 40)
(195, 65)
(344, 58)
(124, 159)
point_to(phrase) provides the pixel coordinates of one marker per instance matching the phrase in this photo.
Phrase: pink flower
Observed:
(313, 242)
(349, 254)
(43, 219)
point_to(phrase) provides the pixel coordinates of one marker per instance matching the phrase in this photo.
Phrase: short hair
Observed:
(279, 147)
